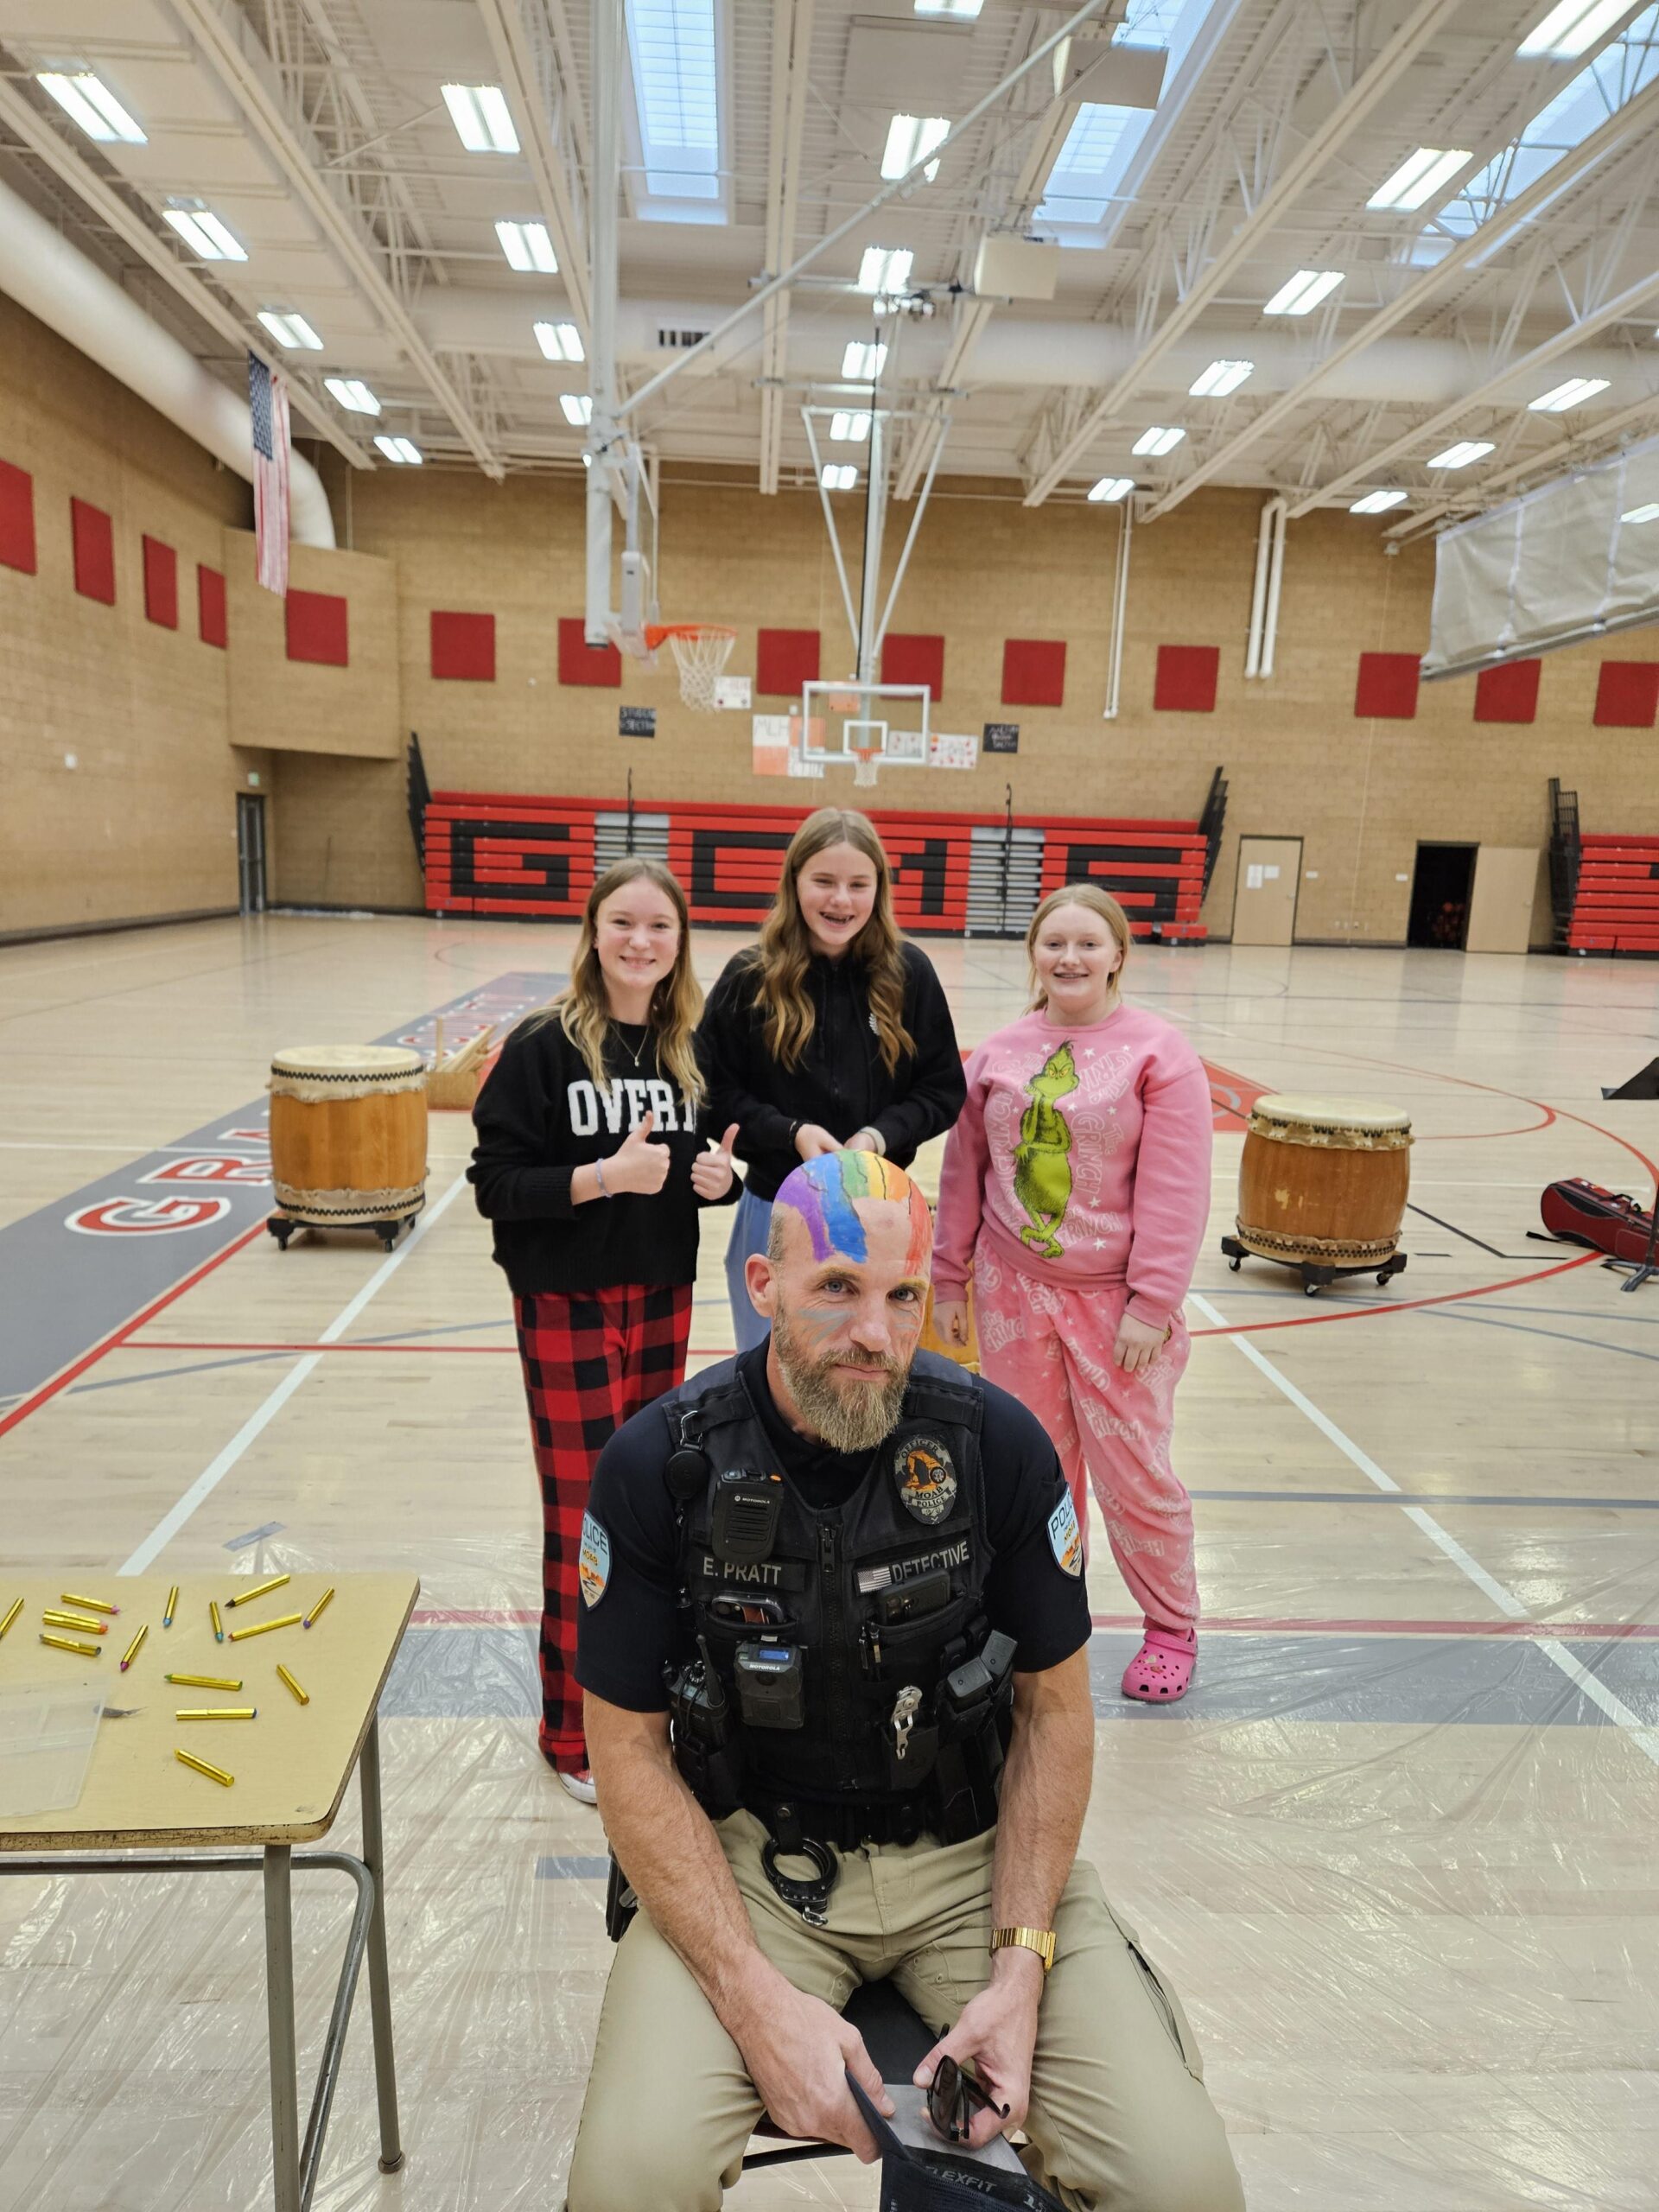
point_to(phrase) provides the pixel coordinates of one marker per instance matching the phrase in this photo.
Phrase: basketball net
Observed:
(700, 651)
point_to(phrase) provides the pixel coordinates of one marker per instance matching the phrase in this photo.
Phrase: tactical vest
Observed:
(847, 1642)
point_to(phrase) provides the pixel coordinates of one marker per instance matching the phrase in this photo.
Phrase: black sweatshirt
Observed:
(540, 1117)
(840, 1082)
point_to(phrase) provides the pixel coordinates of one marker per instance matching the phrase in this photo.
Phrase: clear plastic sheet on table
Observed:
(1408, 1900)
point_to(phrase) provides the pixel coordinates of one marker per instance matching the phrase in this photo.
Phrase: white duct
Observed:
(1276, 582)
(59, 286)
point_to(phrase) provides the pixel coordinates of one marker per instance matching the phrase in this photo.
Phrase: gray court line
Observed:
(1557, 1336)
(1424, 1497)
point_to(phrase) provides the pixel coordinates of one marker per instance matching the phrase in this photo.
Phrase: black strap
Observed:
(929, 2181)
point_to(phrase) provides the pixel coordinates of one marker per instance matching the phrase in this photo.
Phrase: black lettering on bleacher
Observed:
(929, 864)
(707, 845)
(546, 876)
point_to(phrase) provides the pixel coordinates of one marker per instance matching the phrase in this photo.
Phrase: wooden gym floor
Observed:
(1396, 1847)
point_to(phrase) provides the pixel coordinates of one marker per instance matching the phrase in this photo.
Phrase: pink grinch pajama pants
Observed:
(1051, 1345)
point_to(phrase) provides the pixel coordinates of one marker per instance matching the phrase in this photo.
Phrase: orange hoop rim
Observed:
(655, 633)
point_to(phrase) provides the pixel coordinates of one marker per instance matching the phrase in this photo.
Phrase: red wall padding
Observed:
(161, 584)
(581, 663)
(1185, 682)
(317, 628)
(1387, 688)
(1508, 694)
(16, 518)
(1627, 695)
(784, 660)
(94, 542)
(914, 660)
(210, 605)
(1033, 672)
(463, 647)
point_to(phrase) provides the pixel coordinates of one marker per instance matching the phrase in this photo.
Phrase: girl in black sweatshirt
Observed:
(832, 1032)
(590, 1166)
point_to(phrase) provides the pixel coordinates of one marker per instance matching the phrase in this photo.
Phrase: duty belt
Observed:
(845, 1827)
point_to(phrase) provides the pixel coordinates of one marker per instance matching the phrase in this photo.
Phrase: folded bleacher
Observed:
(1616, 909)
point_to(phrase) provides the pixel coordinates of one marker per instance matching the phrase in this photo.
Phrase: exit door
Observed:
(250, 851)
(1264, 903)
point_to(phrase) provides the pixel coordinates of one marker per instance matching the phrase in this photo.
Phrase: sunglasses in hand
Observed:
(953, 2097)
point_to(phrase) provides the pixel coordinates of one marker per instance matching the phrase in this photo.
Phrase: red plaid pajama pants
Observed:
(591, 1361)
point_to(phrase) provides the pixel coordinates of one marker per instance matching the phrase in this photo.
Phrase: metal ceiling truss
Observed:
(538, 76)
(792, 53)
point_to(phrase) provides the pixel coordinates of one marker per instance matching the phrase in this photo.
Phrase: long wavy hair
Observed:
(781, 959)
(582, 1010)
(1098, 902)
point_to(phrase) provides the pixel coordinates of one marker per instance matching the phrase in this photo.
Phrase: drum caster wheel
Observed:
(1234, 1266)
(1312, 1289)
(282, 1230)
(1384, 1280)
(387, 1232)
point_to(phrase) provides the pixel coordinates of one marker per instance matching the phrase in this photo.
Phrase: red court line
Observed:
(1568, 1632)
(119, 1336)
(188, 1343)
(1394, 1305)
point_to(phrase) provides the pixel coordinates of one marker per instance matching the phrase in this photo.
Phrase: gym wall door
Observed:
(1264, 903)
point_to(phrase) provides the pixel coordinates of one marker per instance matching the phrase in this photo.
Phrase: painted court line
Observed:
(1645, 1739)
(209, 1479)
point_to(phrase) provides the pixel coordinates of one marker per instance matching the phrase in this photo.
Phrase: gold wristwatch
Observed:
(1040, 1940)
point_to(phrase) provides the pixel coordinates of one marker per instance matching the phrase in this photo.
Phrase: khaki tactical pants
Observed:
(1119, 2113)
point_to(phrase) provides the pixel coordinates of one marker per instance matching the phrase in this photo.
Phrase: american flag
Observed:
(268, 404)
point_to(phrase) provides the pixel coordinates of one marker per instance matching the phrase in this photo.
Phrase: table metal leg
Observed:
(385, 2070)
(279, 2005)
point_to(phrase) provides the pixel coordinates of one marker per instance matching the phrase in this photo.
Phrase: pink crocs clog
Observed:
(1162, 1671)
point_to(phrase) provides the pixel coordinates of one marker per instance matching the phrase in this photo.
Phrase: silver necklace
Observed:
(626, 1047)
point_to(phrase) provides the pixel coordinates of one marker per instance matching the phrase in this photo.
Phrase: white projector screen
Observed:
(1574, 560)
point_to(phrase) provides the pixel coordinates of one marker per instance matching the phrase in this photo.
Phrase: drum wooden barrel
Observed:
(1323, 1181)
(348, 1134)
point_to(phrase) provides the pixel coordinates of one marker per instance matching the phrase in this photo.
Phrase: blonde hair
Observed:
(781, 959)
(583, 1011)
(1098, 902)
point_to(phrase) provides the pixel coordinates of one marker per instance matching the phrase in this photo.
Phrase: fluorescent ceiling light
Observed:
(1570, 29)
(1112, 489)
(352, 394)
(910, 139)
(1377, 503)
(1157, 440)
(481, 115)
(1648, 511)
(1221, 377)
(838, 476)
(885, 268)
(1304, 291)
(290, 330)
(560, 342)
(848, 428)
(864, 364)
(1460, 455)
(528, 247)
(1563, 396)
(676, 61)
(201, 229)
(578, 408)
(401, 451)
(1420, 177)
(88, 100)
(964, 12)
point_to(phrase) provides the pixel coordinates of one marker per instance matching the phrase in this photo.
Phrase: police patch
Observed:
(594, 1561)
(1065, 1537)
(926, 1476)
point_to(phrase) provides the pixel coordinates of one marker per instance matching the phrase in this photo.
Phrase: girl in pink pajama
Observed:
(1075, 1192)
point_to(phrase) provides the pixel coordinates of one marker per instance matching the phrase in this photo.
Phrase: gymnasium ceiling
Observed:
(1218, 148)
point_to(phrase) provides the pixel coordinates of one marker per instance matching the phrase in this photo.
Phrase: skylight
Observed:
(1111, 489)
(1648, 511)
(962, 11)
(290, 330)
(578, 408)
(1157, 440)
(201, 229)
(1600, 89)
(1566, 31)
(1460, 455)
(1420, 176)
(560, 342)
(88, 100)
(527, 248)
(1560, 396)
(352, 394)
(401, 452)
(885, 268)
(863, 363)
(1302, 293)
(674, 48)
(481, 115)
(910, 137)
(1221, 377)
(848, 428)
(1377, 503)
(838, 476)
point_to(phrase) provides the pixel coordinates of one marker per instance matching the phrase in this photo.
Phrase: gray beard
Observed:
(856, 1421)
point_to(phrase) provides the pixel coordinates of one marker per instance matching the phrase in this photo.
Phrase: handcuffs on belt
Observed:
(809, 1897)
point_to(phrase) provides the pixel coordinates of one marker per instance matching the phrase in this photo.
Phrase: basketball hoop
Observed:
(700, 652)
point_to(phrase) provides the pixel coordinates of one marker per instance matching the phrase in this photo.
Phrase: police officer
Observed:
(833, 1644)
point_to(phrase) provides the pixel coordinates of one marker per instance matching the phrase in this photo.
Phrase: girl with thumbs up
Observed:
(591, 1167)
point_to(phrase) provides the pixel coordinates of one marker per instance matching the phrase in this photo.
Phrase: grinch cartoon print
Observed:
(1042, 1159)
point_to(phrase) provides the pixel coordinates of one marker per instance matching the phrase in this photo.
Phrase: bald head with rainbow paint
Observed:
(844, 1283)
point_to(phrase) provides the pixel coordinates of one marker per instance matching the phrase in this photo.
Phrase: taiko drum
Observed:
(1323, 1180)
(348, 1134)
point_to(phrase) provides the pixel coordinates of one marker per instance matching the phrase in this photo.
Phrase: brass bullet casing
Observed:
(304, 1696)
(80, 1621)
(68, 1644)
(264, 1628)
(243, 1597)
(203, 1766)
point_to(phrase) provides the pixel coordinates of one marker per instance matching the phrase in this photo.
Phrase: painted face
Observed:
(1076, 957)
(636, 935)
(837, 889)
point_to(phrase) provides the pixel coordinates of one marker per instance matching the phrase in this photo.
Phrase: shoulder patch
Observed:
(1065, 1537)
(594, 1562)
(926, 1476)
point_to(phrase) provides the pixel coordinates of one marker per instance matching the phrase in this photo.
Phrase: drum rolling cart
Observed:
(1315, 1273)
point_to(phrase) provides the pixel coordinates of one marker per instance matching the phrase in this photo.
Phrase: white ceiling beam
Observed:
(1594, 443)
(221, 39)
(792, 49)
(1635, 117)
(107, 206)
(521, 80)
(1357, 103)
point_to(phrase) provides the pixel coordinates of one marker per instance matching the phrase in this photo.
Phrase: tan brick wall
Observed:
(305, 706)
